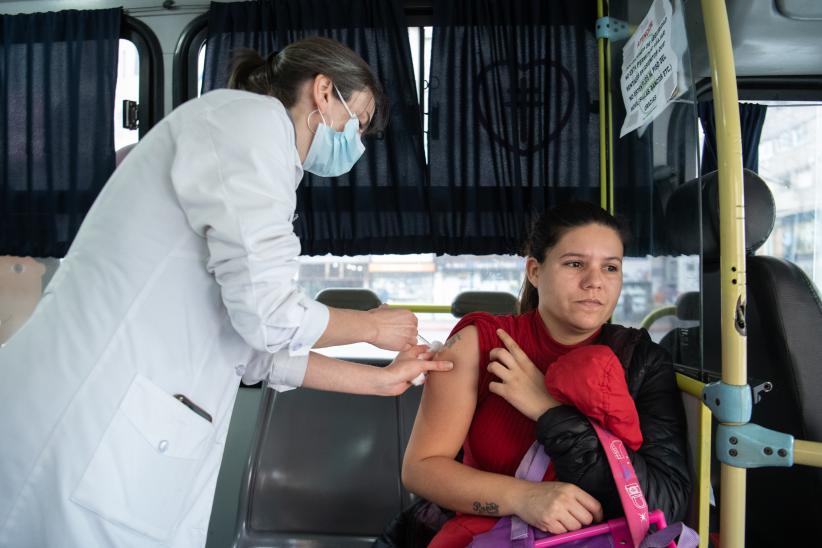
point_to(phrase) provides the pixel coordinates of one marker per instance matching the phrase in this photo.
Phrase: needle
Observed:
(436, 346)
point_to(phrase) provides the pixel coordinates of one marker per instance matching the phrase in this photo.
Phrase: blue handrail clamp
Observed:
(612, 29)
(728, 402)
(752, 446)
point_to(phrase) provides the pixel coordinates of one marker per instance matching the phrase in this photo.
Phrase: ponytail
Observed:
(528, 297)
(250, 72)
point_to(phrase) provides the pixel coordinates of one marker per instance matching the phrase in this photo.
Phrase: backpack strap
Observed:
(627, 484)
(532, 467)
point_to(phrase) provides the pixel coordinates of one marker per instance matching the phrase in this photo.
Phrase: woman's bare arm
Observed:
(442, 423)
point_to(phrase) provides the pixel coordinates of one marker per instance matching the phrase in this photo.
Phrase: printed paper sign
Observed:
(649, 68)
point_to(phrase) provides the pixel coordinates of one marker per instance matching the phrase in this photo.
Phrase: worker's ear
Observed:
(322, 91)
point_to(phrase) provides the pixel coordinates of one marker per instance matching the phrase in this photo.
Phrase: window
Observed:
(650, 283)
(128, 88)
(789, 163)
(200, 69)
(411, 279)
(420, 39)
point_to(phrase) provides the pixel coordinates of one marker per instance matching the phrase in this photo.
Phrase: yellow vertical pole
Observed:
(732, 246)
(603, 159)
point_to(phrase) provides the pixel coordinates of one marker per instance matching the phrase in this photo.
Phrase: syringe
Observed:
(435, 346)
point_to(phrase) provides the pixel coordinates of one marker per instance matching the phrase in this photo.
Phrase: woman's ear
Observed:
(532, 268)
(322, 90)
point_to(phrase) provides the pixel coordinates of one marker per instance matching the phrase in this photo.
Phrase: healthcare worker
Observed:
(116, 395)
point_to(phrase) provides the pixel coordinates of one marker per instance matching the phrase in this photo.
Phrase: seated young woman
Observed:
(495, 402)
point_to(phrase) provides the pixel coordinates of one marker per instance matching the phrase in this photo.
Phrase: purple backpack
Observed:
(631, 531)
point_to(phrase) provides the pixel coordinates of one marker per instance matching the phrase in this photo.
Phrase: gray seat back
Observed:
(325, 469)
(494, 302)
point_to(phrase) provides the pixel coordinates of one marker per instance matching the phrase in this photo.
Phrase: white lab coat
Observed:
(180, 281)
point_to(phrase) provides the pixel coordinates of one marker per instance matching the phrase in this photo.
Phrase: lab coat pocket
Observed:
(143, 470)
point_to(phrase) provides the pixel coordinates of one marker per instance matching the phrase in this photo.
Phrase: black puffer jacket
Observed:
(661, 463)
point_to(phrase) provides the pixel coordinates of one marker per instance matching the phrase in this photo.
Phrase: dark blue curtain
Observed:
(58, 73)
(380, 206)
(513, 125)
(751, 120)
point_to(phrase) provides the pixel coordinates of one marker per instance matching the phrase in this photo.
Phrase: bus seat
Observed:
(348, 297)
(687, 306)
(683, 342)
(325, 468)
(784, 319)
(494, 302)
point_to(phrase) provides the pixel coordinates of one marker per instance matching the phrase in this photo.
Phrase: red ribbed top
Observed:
(500, 435)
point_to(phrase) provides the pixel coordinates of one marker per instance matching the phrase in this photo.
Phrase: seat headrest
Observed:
(688, 305)
(494, 302)
(348, 297)
(682, 218)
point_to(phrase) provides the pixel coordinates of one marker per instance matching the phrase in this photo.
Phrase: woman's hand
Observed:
(557, 507)
(397, 376)
(521, 383)
(392, 328)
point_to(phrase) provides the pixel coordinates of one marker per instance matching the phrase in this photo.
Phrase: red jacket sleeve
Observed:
(591, 379)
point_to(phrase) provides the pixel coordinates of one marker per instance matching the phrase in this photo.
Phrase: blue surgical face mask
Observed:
(332, 152)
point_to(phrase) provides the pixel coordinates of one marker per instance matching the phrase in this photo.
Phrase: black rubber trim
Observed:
(184, 67)
(151, 71)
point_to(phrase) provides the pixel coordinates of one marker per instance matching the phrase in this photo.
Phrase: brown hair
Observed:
(282, 74)
(551, 226)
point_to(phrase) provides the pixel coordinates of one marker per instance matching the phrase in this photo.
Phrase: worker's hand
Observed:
(556, 507)
(392, 328)
(397, 377)
(520, 382)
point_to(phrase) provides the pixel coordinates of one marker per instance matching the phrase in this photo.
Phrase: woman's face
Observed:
(579, 282)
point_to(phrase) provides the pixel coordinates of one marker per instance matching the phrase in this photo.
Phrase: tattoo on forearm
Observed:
(487, 508)
(452, 341)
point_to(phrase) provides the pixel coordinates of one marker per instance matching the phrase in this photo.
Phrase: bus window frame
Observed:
(184, 65)
(769, 88)
(150, 109)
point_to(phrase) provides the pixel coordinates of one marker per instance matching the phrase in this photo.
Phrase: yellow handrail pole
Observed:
(694, 388)
(732, 246)
(611, 196)
(424, 308)
(603, 182)
(808, 453)
(689, 385)
(703, 471)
